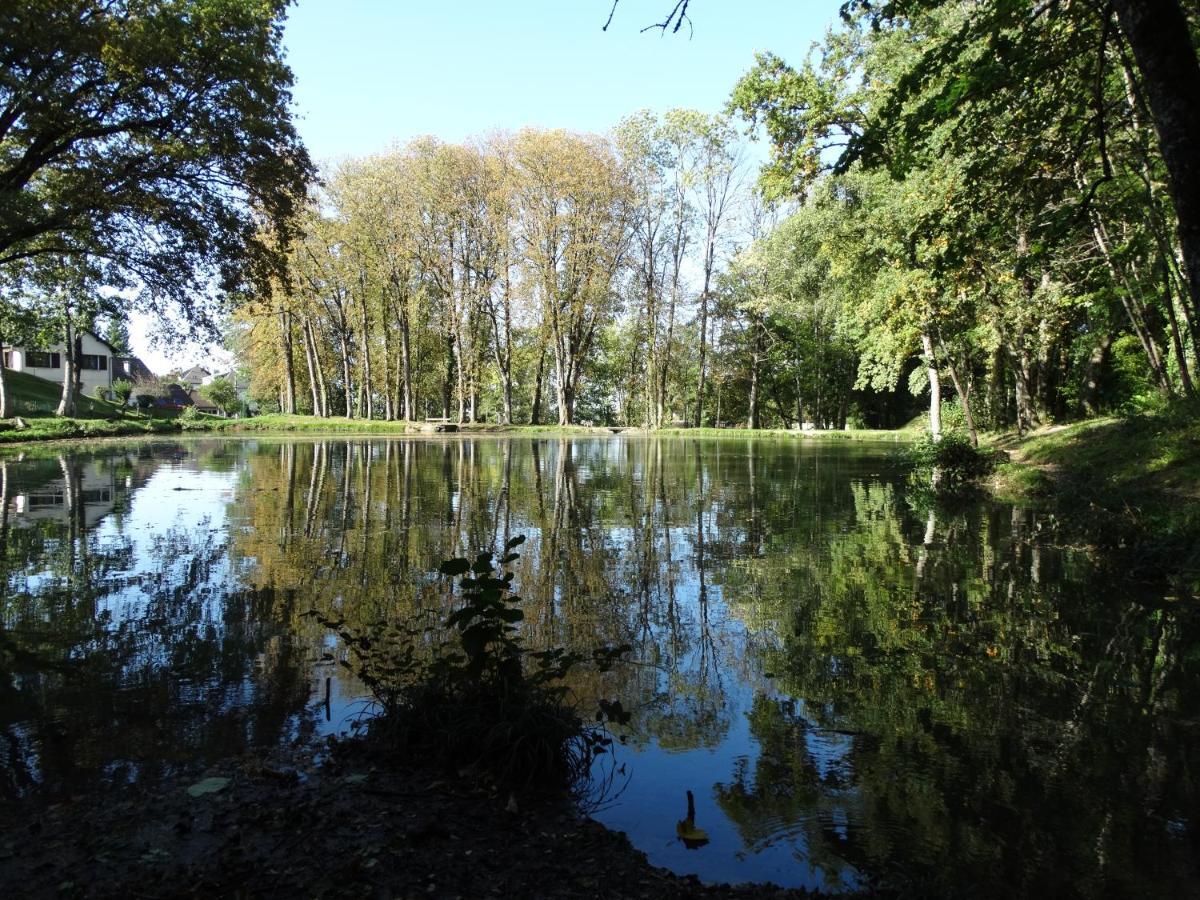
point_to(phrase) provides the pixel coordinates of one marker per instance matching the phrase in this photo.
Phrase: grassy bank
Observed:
(103, 419)
(32, 402)
(1130, 486)
(335, 424)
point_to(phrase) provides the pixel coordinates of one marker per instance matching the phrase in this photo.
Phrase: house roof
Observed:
(133, 367)
(200, 401)
(114, 350)
(177, 396)
(195, 372)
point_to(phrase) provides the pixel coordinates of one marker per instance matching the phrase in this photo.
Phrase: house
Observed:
(203, 404)
(91, 491)
(176, 397)
(194, 377)
(131, 369)
(94, 360)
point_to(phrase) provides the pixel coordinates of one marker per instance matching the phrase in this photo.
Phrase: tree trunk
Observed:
(935, 389)
(535, 415)
(310, 362)
(3, 385)
(347, 384)
(366, 348)
(1092, 373)
(321, 383)
(1160, 38)
(406, 369)
(289, 372)
(66, 406)
(963, 398)
(755, 359)
(390, 403)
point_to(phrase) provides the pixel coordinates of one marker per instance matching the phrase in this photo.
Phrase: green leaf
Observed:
(208, 786)
(515, 542)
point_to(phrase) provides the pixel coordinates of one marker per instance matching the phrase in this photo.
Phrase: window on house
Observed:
(7, 361)
(50, 498)
(94, 362)
(40, 359)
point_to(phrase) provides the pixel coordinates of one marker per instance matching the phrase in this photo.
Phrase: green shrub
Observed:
(145, 401)
(469, 694)
(952, 460)
(122, 389)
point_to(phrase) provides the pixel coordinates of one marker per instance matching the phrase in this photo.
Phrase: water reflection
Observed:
(856, 686)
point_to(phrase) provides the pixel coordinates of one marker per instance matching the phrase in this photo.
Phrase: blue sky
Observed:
(371, 73)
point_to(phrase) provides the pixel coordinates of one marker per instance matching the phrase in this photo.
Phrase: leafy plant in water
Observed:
(478, 699)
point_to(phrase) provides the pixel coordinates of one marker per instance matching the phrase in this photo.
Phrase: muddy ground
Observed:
(333, 826)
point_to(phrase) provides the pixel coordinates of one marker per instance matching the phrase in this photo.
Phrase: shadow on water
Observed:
(858, 687)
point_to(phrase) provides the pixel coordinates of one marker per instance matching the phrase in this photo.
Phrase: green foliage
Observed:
(222, 393)
(134, 117)
(481, 700)
(122, 390)
(953, 459)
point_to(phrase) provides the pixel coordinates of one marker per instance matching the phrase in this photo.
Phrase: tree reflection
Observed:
(127, 654)
(934, 695)
(961, 718)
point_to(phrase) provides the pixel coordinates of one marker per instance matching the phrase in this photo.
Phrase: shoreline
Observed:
(1129, 488)
(296, 824)
(45, 430)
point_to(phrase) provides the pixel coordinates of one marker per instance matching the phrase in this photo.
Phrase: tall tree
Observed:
(151, 135)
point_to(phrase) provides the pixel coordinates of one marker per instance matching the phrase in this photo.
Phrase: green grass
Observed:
(51, 429)
(338, 424)
(30, 396)
(34, 400)
(854, 434)
(1130, 486)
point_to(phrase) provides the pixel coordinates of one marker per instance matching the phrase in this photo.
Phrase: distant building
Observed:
(203, 404)
(195, 377)
(176, 397)
(94, 361)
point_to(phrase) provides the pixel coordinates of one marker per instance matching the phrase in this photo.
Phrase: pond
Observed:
(859, 687)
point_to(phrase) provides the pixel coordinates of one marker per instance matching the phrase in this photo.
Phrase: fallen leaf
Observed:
(208, 786)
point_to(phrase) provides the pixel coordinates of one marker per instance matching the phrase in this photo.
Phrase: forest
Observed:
(962, 202)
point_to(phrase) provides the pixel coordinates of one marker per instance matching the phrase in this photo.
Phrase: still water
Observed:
(858, 687)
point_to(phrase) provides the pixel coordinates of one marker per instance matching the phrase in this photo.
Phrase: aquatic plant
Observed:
(469, 694)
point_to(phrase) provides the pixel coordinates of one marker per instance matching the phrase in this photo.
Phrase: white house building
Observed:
(95, 362)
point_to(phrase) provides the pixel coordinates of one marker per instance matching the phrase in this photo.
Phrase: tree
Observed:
(122, 389)
(149, 137)
(575, 202)
(222, 393)
(117, 333)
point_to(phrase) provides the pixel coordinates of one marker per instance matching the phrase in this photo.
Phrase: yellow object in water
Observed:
(693, 838)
